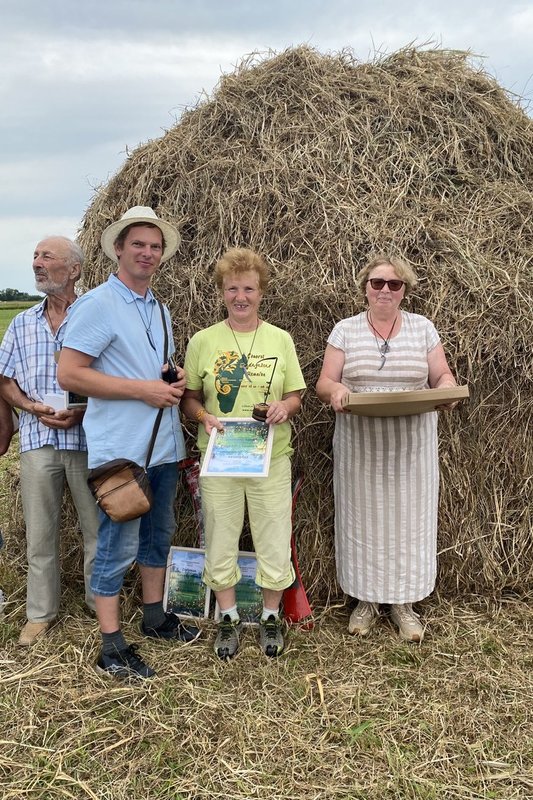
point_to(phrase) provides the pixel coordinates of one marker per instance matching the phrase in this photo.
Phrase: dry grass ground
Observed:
(334, 717)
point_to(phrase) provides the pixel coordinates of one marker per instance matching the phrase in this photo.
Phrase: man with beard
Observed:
(52, 441)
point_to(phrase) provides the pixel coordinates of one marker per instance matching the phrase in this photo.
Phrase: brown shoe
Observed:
(32, 631)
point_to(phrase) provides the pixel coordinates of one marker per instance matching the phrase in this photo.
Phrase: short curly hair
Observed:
(237, 260)
(402, 269)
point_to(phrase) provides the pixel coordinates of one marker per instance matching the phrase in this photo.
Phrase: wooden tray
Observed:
(400, 404)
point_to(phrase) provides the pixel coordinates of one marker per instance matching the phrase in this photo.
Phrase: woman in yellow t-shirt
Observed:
(232, 367)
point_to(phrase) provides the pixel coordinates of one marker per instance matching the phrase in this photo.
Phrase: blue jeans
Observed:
(145, 540)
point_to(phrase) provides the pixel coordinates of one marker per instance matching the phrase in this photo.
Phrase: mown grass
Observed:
(334, 717)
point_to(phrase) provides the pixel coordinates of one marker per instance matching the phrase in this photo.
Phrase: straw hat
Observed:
(140, 214)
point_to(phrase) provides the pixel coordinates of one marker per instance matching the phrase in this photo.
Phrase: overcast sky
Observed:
(82, 81)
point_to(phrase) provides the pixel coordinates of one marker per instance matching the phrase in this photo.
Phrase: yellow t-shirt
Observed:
(234, 375)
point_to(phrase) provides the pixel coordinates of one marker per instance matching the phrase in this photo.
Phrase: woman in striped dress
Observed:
(385, 468)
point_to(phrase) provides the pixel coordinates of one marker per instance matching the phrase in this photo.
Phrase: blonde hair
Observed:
(402, 269)
(237, 260)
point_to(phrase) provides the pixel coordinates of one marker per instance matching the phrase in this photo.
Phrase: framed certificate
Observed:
(66, 399)
(242, 450)
(185, 592)
(73, 400)
(249, 596)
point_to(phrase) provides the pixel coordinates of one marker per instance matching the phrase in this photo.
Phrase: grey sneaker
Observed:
(227, 641)
(363, 618)
(270, 636)
(408, 623)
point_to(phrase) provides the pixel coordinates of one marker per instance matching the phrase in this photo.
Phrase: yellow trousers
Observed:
(269, 503)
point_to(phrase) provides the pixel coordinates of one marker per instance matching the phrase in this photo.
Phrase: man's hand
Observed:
(162, 395)
(41, 411)
(58, 420)
(180, 383)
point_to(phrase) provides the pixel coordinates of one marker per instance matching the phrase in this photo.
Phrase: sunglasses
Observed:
(378, 283)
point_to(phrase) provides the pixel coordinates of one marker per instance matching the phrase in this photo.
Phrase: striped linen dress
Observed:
(386, 473)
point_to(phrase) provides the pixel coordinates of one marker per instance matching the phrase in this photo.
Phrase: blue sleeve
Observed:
(88, 330)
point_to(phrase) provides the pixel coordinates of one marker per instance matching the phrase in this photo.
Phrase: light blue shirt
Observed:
(27, 354)
(123, 331)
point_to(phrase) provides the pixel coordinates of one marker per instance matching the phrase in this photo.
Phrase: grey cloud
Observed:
(81, 82)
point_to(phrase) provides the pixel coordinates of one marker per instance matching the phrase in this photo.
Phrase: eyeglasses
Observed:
(378, 283)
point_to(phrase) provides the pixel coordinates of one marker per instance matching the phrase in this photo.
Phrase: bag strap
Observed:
(157, 422)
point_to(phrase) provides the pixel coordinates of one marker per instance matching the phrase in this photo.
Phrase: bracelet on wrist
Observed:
(201, 414)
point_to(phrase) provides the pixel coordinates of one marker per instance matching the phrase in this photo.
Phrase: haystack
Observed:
(318, 161)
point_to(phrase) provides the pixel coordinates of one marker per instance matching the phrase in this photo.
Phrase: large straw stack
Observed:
(317, 161)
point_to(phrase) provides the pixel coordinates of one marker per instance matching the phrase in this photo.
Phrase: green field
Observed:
(10, 309)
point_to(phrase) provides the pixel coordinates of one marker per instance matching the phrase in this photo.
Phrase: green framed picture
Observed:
(185, 592)
(248, 594)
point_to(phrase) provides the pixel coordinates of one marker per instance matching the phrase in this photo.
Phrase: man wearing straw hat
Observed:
(114, 354)
(51, 439)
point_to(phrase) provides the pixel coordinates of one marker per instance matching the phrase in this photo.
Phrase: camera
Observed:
(171, 375)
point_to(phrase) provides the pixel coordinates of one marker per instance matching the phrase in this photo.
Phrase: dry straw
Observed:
(336, 718)
(319, 160)
(316, 161)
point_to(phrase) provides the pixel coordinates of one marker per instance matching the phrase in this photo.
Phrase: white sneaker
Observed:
(363, 618)
(408, 623)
